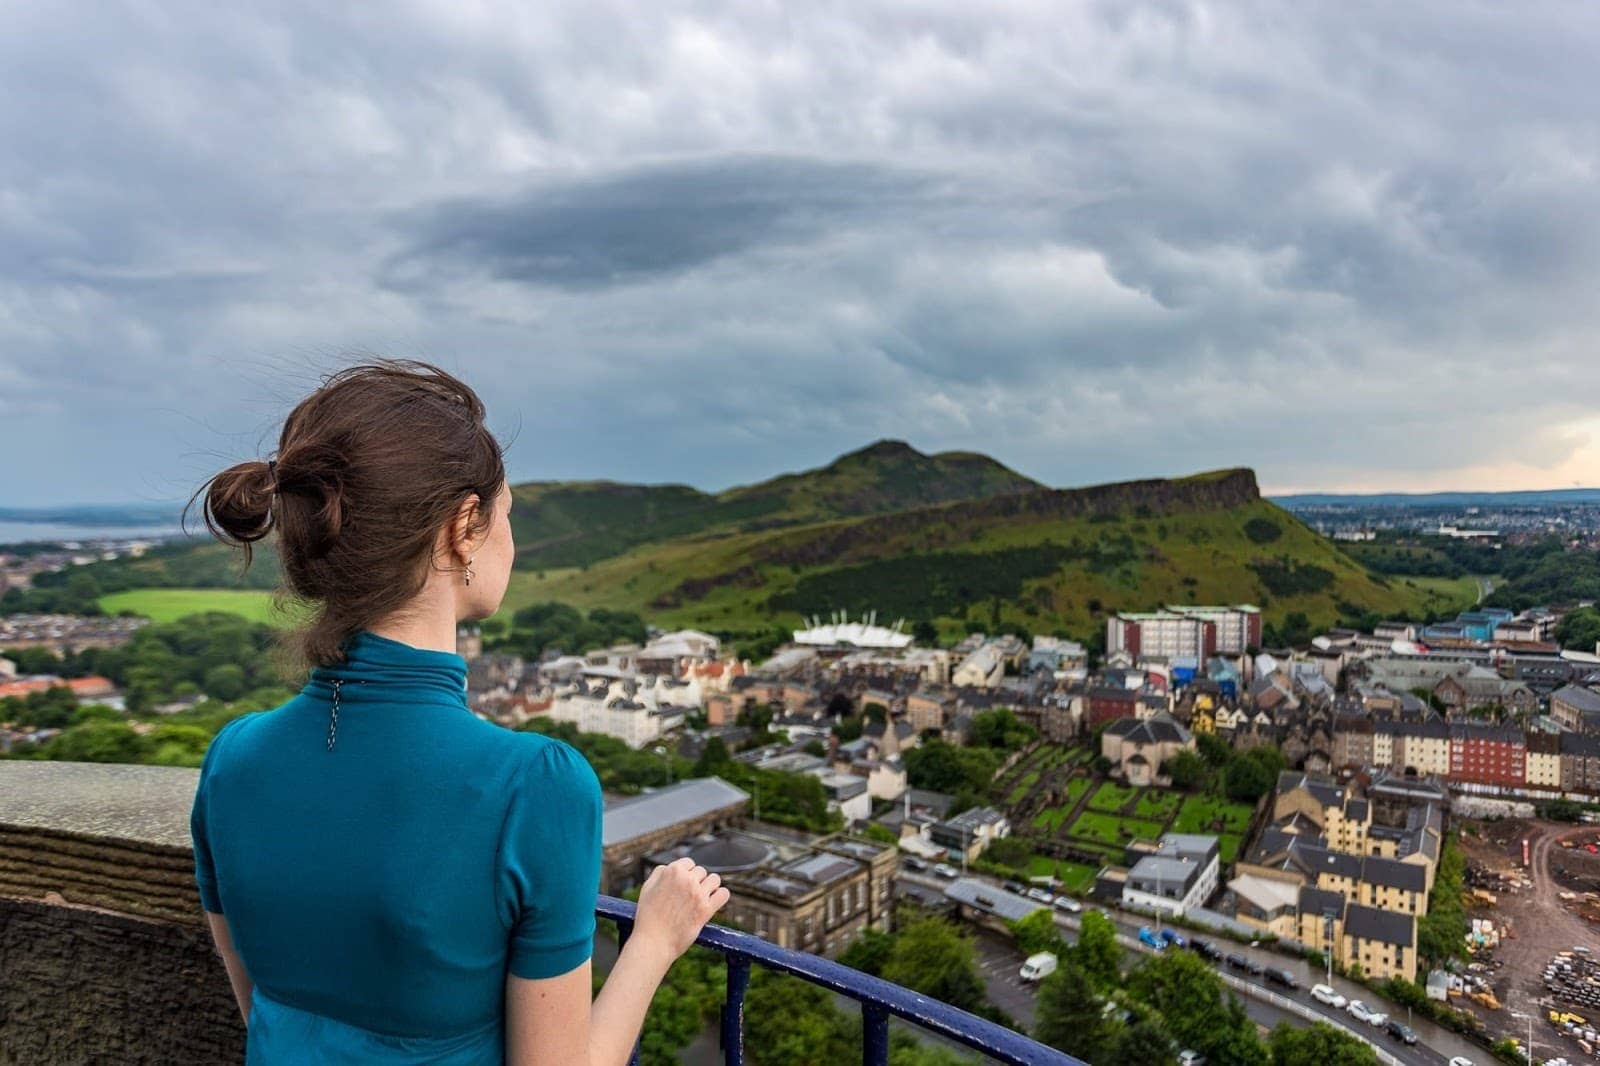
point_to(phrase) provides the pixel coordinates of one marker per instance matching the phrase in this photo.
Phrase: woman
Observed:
(388, 877)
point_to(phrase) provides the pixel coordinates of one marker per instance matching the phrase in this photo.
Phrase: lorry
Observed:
(1038, 967)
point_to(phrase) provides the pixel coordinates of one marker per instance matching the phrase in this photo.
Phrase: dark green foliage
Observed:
(1441, 933)
(558, 625)
(1253, 774)
(1318, 1044)
(869, 951)
(937, 958)
(1186, 769)
(1037, 932)
(1069, 1015)
(1145, 1042)
(924, 586)
(1286, 577)
(1097, 952)
(943, 768)
(1580, 629)
(1001, 729)
(1197, 1011)
(1262, 530)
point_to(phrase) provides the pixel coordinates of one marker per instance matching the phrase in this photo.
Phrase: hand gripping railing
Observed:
(878, 998)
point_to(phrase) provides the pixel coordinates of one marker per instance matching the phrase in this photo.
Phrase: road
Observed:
(1435, 1045)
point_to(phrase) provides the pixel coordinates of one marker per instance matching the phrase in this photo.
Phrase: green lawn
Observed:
(1157, 805)
(1110, 797)
(1111, 829)
(1228, 847)
(169, 605)
(1074, 876)
(1028, 781)
(1051, 818)
(1200, 813)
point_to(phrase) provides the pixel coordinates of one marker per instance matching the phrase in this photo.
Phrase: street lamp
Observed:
(1528, 1050)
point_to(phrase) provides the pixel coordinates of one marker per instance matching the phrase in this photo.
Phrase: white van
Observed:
(1039, 966)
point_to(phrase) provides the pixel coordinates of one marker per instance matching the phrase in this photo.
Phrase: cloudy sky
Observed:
(1354, 246)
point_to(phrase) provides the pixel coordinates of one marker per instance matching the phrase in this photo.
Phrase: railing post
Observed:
(624, 931)
(874, 1035)
(733, 1010)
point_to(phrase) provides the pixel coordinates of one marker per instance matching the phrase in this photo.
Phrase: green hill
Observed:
(568, 523)
(955, 539)
(1047, 559)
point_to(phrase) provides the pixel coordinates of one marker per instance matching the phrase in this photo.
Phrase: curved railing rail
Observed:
(879, 999)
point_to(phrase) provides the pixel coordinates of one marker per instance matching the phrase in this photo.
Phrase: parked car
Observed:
(1210, 951)
(1068, 904)
(1327, 994)
(1360, 1011)
(1015, 886)
(1279, 976)
(1460, 1060)
(1173, 937)
(1187, 1057)
(1250, 966)
(914, 863)
(1038, 967)
(1041, 895)
(1147, 937)
(1401, 1031)
(946, 871)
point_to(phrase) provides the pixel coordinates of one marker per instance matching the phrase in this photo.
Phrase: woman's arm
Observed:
(237, 976)
(552, 1020)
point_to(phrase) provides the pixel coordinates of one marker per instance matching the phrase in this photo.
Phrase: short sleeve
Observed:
(550, 862)
(205, 873)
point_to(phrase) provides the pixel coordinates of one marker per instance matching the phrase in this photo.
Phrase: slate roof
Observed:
(649, 812)
(1387, 927)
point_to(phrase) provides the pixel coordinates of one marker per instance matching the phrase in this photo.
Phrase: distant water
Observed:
(24, 532)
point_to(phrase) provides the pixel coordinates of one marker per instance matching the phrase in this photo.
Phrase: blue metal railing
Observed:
(878, 998)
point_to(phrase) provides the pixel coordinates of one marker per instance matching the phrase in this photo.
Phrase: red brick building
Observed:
(1486, 754)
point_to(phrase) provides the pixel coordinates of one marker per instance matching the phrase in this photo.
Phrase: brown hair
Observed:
(369, 467)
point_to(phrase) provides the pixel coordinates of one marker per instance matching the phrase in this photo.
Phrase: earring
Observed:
(469, 569)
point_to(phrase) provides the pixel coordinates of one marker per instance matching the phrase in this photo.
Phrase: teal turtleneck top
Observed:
(379, 891)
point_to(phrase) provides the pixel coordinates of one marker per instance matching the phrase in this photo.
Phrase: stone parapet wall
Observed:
(105, 956)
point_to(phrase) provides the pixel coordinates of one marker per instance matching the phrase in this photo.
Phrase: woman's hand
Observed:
(675, 903)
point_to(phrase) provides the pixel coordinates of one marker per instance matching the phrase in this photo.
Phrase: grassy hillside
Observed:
(1047, 559)
(574, 523)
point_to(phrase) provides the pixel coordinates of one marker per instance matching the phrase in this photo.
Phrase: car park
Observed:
(1068, 904)
(1173, 937)
(1401, 1031)
(1327, 994)
(1147, 937)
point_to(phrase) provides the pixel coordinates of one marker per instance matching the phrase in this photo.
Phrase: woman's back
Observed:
(380, 890)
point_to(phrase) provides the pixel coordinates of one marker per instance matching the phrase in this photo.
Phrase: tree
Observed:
(1037, 932)
(1213, 749)
(869, 952)
(1188, 995)
(1000, 728)
(713, 758)
(1070, 1017)
(1186, 769)
(225, 682)
(925, 632)
(1318, 1044)
(934, 957)
(1097, 952)
(790, 1020)
(1580, 629)
(1146, 1043)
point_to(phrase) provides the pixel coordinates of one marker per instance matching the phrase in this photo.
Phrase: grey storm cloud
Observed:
(649, 221)
(707, 242)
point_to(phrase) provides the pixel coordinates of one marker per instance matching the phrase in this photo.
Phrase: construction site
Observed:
(1534, 904)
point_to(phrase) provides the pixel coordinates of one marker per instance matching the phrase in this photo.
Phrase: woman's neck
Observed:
(435, 634)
